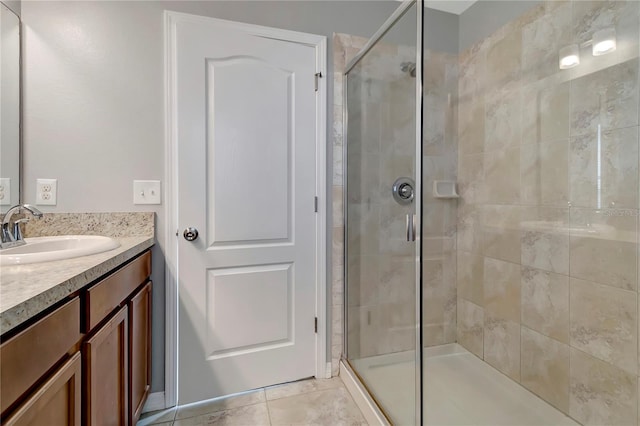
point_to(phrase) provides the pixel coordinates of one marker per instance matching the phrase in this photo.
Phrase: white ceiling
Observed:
(451, 6)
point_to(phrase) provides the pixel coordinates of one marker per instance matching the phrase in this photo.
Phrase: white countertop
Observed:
(27, 290)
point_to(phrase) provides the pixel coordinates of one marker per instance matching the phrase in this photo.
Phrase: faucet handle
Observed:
(17, 232)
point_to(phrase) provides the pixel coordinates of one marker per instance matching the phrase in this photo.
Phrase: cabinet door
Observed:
(56, 402)
(106, 373)
(139, 350)
(28, 356)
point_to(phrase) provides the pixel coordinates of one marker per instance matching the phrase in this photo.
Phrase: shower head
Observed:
(409, 67)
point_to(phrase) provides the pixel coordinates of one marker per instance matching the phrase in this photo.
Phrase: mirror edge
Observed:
(15, 6)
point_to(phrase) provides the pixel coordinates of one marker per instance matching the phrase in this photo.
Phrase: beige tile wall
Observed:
(548, 220)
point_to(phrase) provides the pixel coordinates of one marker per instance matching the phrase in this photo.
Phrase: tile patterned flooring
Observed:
(307, 402)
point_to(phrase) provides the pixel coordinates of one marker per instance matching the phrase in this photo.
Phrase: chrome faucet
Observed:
(13, 237)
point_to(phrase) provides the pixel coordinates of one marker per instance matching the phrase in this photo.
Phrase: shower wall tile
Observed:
(545, 303)
(545, 111)
(502, 345)
(440, 219)
(545, 368)
(470, 327)
(472, 71)
(503, 119)
(545, 250)
(471, 277)
(600, 393)
(363, 227)
(364, 280)
(606, 98)
(501, 232)
(469, 233)
(604, 323)
(502, 176)
(604, 169)
(502, 289)
(504, 59)
(439, 300)
(544, 175)
(397, 280)
(471, 124)
(604, 247)
(471, 178)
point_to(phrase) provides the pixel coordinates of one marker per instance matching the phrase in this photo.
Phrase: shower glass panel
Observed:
(382, 199)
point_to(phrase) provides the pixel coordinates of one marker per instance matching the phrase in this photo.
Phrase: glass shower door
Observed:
(382, 203)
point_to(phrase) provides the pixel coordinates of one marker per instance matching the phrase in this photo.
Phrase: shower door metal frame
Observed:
(377, 36)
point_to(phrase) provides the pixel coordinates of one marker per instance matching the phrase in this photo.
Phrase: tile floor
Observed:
(307, 402)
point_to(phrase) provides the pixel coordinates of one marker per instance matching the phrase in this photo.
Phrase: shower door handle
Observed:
(411, 227)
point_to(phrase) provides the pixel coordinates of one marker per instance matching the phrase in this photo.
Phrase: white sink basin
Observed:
(45, 249)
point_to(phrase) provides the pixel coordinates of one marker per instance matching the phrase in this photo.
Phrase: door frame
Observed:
(171, 19)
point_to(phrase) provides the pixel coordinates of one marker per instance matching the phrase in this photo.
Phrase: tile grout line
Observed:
(305, 393)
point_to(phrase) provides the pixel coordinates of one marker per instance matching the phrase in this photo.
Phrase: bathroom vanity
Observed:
(76, 338)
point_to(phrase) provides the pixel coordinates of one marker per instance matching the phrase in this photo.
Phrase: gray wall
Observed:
(14, 5)
(441, 31)
(486, 16)
(94, 93)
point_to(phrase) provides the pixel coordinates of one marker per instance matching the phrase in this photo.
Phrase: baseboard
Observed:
(363, 400)
(155, 402)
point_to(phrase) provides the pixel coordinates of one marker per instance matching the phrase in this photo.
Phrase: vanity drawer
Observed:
(27, 356)
(102, 298)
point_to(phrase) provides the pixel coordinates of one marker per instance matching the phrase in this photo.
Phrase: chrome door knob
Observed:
(190, 234)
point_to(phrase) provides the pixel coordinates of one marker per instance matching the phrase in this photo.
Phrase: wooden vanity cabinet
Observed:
(117, 353)
(88, 361)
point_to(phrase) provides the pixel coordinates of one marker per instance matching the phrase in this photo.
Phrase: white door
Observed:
(246, 137)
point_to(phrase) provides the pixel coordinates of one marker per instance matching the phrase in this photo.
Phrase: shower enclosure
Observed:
(491, 204)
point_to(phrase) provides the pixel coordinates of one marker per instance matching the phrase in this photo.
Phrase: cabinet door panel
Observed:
(27, 356)
(56, 402)
(140, 350)
(106, 373)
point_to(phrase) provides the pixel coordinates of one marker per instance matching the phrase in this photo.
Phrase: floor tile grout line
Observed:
(268, 410)
(219, 411)
(306, 393)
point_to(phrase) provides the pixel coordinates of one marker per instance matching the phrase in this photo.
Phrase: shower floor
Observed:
(459, 389)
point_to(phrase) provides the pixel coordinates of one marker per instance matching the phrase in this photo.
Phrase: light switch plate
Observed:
(146, 192)
(5, 191)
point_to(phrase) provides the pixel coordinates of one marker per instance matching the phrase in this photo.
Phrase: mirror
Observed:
(9, 108)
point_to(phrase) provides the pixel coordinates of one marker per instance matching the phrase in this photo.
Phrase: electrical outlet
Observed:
(146, 192)
(46, 192)
(5, 191)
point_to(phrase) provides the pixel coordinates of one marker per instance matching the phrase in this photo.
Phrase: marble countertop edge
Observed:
(51, 282)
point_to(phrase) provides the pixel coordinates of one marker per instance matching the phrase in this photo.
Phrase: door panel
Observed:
(250, 179)
(246, 123)
(238, 323)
